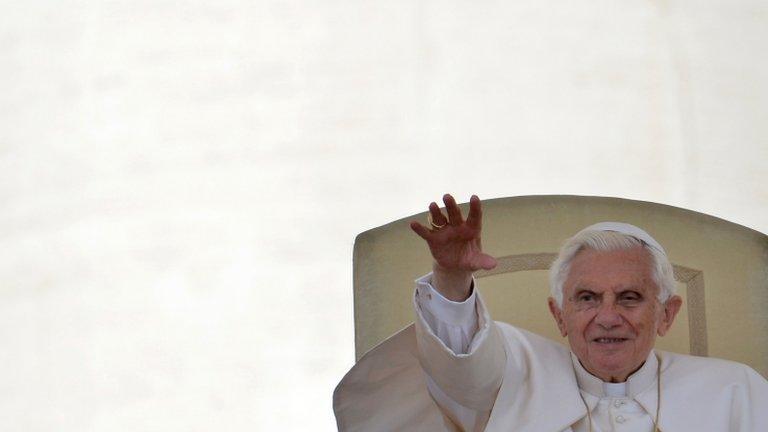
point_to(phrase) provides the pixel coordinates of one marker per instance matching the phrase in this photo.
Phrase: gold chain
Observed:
(658, 399)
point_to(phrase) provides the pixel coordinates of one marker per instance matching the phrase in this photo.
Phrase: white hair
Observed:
(662, 272)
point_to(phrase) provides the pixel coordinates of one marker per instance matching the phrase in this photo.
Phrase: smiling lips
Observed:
(608, 340)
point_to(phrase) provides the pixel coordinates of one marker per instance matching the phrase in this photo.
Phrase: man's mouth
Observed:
(608, 341)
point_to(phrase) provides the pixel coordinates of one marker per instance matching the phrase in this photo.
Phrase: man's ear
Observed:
(557, 314)
(671, 308)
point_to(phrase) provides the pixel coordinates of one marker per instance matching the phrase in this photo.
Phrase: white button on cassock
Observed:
(620, 419)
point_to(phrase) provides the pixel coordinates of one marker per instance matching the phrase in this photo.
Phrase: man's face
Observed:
(611, 313)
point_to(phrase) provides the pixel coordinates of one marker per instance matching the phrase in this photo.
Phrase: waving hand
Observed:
(455, 245)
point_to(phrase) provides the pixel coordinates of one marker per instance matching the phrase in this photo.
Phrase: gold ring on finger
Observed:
(434, 225)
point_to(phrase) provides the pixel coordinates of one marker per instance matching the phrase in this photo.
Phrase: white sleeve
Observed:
(455, 324)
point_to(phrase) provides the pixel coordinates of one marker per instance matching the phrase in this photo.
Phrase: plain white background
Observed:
(181, 182)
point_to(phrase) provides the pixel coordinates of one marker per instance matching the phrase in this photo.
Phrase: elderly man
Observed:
(613, 292)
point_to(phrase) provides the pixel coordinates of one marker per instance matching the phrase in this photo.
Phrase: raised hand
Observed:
(455, 246)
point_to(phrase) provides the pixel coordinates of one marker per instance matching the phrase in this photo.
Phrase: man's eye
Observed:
(630, 298)
(585, 297)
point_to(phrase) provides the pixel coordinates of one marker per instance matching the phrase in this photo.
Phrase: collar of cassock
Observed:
(637, 383)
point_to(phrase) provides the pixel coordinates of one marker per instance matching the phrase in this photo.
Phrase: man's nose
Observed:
(607, 315)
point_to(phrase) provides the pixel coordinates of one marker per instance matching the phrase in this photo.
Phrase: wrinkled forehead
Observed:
(600, 270)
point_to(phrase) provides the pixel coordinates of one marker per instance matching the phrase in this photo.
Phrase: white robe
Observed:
(523, 382)
(612, 405)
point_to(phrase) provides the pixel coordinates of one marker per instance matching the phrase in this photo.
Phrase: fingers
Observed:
(421, 230)
(453, 210)
(437, 216)
(454, 215)
(475, 216)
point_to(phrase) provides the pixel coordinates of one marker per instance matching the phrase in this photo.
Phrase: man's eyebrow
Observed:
(579, 290)
(631, 290)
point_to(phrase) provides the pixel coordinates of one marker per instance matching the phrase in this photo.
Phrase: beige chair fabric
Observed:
(721, 270)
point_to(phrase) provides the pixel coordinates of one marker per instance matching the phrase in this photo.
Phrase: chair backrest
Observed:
(721, 270)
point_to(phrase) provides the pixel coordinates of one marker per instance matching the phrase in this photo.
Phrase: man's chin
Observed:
(610, 365)
(615, 351)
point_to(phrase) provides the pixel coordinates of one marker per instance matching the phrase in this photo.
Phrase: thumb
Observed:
(485, 262)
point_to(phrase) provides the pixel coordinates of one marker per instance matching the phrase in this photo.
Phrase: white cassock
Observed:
(455, 369)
